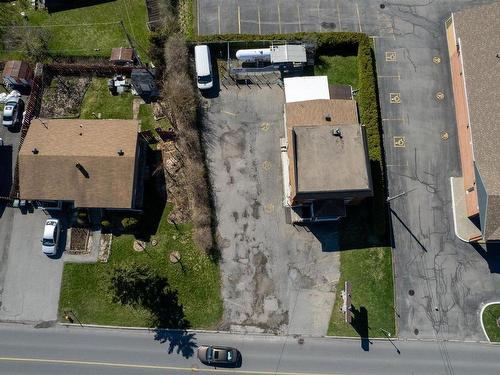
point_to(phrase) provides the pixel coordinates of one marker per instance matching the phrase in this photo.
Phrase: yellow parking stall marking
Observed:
(229, 113)
(436, 59)
(399, 141)
(391, 56)
(395, 97)
(359, 19)
(279, 16)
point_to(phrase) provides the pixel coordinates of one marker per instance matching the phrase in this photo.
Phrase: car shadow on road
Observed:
(360, 324)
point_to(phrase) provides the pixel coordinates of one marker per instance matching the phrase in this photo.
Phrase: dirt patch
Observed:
(63, 96)
(79, 241)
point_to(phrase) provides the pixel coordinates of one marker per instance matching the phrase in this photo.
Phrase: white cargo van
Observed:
(203, 67)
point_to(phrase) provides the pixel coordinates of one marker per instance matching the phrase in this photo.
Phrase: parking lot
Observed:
(279, 16)
(276, 277)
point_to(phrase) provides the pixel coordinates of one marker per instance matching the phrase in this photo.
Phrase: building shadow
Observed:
(360, 324)
(490, 253)
(54, 6)
(5, 175)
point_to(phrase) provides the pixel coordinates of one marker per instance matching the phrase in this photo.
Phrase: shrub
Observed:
(129, 223)
(105, 224)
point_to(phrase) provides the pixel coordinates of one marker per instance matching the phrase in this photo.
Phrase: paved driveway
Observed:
(276, 277)
(32, 280)
(441, 282)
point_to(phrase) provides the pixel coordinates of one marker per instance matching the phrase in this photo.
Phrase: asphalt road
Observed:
(61, 350)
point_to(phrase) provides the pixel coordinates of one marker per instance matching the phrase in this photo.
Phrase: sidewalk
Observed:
(465, 229)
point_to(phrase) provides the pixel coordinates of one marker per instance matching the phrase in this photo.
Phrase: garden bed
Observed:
(63, 97)
(79, 241)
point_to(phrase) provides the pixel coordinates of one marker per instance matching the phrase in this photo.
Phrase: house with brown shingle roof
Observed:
(91, 163)
(324, 157)
(474, 51)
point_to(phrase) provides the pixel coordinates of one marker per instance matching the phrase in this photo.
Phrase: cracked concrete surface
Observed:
(276, 277)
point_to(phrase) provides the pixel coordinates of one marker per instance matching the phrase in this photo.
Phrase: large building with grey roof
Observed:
(474, 51)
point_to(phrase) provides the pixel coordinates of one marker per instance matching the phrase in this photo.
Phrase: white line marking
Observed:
(258, 18)
(319, 17)
(338, 13)
(239, 20)
(359, 19)
(198, 16)
(298, 16)
(279, 15)
(218, 16)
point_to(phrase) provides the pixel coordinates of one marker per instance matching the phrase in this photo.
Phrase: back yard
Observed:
(81, 31)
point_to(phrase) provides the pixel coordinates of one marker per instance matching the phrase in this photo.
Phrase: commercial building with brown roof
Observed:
(327, 154)
(474, 51)
(92, 163)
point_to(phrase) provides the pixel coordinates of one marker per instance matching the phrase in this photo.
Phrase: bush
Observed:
(129, 223)
(105, 224)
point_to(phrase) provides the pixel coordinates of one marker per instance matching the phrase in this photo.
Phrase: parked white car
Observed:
(50, 236)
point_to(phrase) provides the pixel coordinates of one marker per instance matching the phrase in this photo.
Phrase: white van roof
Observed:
(202, 60)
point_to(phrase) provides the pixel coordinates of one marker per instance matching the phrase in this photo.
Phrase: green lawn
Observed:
(490, 316)
(339, 69)
(148, 121)
(85, 287)
(94, 30)
(370, 273)
(98, 99)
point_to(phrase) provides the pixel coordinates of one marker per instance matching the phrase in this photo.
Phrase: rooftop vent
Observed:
(35, 150)
(120, 152)
(337, 133)
(328, 117)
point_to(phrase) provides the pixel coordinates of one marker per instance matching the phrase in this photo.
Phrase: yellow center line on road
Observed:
(154, 367)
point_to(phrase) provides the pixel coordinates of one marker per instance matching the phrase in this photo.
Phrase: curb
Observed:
(454, 212)
(481, 317)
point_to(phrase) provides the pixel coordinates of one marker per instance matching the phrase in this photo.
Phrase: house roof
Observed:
(319, 161)
(298, 89)
(122, 54)
(477, 30)
(329, 163)
(78, 160)
(315, 112)
(340, 91)
(17, 69)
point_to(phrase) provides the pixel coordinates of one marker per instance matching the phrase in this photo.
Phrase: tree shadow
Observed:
(140, 286)
(360, 324)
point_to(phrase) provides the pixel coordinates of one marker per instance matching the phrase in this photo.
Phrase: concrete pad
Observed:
(464, 228)
(32, 281)
(310, 312)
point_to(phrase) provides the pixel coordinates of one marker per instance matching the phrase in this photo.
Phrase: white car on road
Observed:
(50, 236)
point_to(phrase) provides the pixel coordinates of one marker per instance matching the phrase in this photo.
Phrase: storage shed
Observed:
(17, 74)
